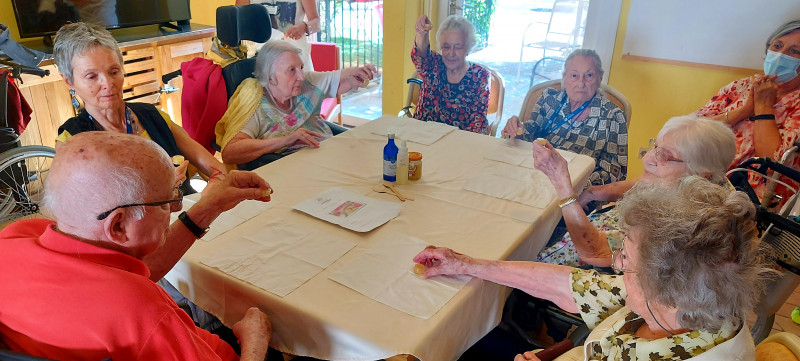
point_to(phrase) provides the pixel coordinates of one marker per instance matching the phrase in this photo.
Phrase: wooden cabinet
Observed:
(145, 61)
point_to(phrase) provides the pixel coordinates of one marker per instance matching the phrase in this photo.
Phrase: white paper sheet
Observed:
(522, 185)
(279, 257)
(519, 152)
(425, 133)
(350, 210)
(229, 219)
(384, 273)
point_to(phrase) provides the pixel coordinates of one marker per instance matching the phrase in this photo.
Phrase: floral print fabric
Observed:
(563, 252)
(463, 105)
(787, 118)
(603, 135)
(600, 296)
(269, 121)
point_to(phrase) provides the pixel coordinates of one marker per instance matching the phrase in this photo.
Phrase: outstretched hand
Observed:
(441, 261)
(225, 191)
(550, 162)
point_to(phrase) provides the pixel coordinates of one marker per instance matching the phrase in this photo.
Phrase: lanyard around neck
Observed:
(128, 120)
(569, 116)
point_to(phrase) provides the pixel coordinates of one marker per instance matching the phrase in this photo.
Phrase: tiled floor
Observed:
(783, 321)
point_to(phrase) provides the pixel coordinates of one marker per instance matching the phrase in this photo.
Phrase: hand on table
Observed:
(225, 191)
(513, 128)
(305, 137)
(528, 356)
(441, 261)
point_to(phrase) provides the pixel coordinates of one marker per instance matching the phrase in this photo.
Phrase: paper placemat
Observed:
(522, 185)
(519, 152)
(384, 273)
(425, 133)
(279, 257)
(227, 220)
(350, 210)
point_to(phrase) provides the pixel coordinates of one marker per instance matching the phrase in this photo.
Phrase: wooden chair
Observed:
(536, 92)
(496, 94)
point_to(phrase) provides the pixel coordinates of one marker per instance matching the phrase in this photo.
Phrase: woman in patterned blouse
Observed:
(764, 110)
(692, 268)
(454, 91)
(580, 119)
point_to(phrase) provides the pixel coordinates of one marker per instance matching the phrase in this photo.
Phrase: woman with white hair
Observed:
(764, 110)
(686, 145)
(454, 91)
(580, 119)
(287, 116)
(691, 269)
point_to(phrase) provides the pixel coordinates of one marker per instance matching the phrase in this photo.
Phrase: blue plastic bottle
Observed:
(390, 160)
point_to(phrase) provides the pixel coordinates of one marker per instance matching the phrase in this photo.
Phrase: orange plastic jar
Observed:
(414, 165)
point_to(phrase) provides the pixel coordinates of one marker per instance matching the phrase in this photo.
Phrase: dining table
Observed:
(478, 195)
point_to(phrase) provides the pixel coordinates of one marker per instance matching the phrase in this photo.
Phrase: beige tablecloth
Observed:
(327, 320)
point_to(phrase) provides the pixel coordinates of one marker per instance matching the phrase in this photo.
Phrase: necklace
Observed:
(130, 124)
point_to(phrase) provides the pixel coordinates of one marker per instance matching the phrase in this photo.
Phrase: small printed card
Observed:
(349, 210)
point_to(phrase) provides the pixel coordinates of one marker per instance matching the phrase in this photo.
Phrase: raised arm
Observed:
(766, 137)
(222, 193)
(354, 78)
(422, 39)
(540, 280)
(592, 245)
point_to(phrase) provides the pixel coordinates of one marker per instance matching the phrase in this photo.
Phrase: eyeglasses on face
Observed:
(663, 156)
(175, 204)
(619, 259)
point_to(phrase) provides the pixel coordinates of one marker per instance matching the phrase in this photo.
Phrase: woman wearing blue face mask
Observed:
(764, 110)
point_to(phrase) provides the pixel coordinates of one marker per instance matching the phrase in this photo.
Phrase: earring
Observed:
(75, 103)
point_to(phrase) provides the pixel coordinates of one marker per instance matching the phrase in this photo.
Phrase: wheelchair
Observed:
(23, 169)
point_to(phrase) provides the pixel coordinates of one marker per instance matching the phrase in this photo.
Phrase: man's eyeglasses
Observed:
(174, 203)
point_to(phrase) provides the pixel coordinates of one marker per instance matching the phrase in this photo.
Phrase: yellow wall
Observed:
(7, 18)
(659, 91)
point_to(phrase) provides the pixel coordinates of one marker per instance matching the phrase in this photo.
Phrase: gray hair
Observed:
(75, 39)
(458, 23)
(786, 28)
(698, 250)
(706, 146)
(586, 53)
(121, 185)
(268, 56)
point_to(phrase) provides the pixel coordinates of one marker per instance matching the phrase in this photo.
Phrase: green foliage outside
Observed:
(359, 52)
(479, 12)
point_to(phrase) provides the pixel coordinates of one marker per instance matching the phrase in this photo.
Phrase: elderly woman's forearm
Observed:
(541, 280)
(245, 150)
(767, 138)
(591, 245)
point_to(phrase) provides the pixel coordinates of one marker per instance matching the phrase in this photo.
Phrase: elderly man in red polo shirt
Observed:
(81, 288)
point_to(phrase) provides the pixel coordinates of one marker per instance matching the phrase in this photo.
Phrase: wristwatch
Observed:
(191, 226)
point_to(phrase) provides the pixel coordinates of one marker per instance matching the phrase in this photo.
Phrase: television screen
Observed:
(45, 17)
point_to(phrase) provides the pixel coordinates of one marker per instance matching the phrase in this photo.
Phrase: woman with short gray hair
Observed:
(90, 62)
(281, 113)
(686, 145)
(454, 91)
(580, 118)
(691, 269)
(763, 110)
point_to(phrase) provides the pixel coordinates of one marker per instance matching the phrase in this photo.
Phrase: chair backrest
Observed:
(327, 57)
(535, 92)
(238, 23)
(496, 95)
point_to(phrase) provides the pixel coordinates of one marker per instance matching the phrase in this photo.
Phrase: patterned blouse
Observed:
(270, 121)
(463, 105)
(600, 296)
(787, 118)
(563, 252)
(603, 135)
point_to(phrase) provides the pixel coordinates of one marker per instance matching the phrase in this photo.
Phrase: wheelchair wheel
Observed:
(23, 172)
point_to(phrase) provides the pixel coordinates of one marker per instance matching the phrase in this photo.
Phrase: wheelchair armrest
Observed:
(417, 81)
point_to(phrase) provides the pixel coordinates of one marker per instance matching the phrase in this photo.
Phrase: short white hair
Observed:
(706, 146)
(458, 23)
(268, 56)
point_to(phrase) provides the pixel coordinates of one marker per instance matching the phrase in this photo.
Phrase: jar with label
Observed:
(414, 165)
